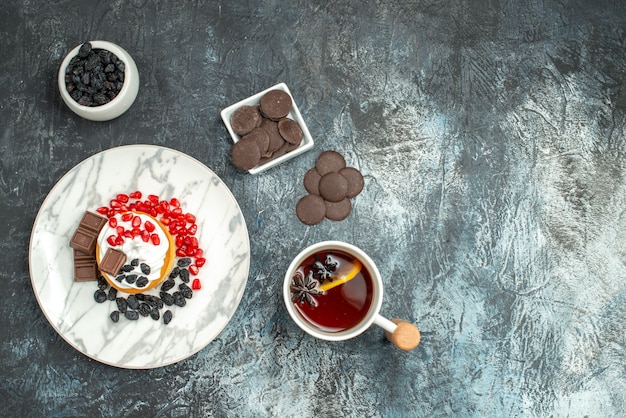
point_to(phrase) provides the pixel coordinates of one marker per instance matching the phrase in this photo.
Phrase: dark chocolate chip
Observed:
(262, 139)
(276, 140)
(290, 131)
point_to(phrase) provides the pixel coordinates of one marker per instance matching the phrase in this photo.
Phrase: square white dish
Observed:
(307, 140)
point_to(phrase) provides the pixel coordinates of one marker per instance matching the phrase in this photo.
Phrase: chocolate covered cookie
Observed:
(245, 154)
(245, 119)
(290, 131)
(355, 180)
(333, 187)
(338, 211)
(312, 181)
(275, 104)
(329, 162)
(311, 209)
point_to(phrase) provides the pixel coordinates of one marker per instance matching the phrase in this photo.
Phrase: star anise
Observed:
(303, 289)
(324, 270)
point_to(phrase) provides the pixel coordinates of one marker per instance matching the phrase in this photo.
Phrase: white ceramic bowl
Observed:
(124, 98)
(307, 140)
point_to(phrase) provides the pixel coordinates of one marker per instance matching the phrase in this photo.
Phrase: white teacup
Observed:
(404, 335)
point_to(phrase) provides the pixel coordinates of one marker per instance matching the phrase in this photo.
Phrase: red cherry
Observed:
(195, 285)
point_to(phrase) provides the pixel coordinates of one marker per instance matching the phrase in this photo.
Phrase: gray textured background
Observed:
(492, 138)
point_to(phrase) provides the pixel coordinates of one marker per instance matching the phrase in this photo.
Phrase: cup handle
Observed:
(402, 334)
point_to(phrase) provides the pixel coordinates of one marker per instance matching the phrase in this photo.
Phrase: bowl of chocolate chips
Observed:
(98, 80)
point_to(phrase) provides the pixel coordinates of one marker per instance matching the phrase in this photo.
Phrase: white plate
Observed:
(70, 306)
(307, 139)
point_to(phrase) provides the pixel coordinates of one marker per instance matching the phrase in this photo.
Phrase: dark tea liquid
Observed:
(343, 306)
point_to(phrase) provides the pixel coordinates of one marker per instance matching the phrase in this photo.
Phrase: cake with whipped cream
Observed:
(149, 249)
(143, 253)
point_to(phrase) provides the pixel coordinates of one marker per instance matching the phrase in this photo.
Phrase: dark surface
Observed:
(491, 136)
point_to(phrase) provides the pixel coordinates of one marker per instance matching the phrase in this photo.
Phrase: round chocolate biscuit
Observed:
(312, 181)
(329, 162)
(276, 140)
(260, 136)
(245, 154)
(333, 187)
(338, 211)
(244, 119)
(355, 180)
(290, 131)
(311, 209)
(275, 104)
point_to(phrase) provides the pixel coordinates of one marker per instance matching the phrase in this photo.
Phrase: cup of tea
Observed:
(334, 291)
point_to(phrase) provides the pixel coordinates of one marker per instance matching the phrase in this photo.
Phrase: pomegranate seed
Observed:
(145, 236)
(177, 211)
(112, 222)
(127, 216)
(172, 229)
(119, 240)
(111, 240)
(187, 240)
(179, 241)
(194, 242)
(122, 197)
(183, 231)
(190, 251)
(200, 261)
(153, 212)
(199, 253)
(115, 204)
(136, 195)
(192, 229)
(155, 239)
(190, 218)
(112, 213)
(193, 269)
(181, 252)
(174, 202)
(136, 221)
(102, 210)
(119, 230)
(153, 198)
(165, 221)
(128, 234)
(149, 226)
(195, 285)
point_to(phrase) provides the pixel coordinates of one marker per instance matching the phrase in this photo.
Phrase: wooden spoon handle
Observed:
(406, 336)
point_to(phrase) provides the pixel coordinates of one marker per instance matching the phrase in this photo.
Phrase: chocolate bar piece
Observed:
(85, 267)
(84, 241)
(92, 222)
(112, 261)
(85, 271)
